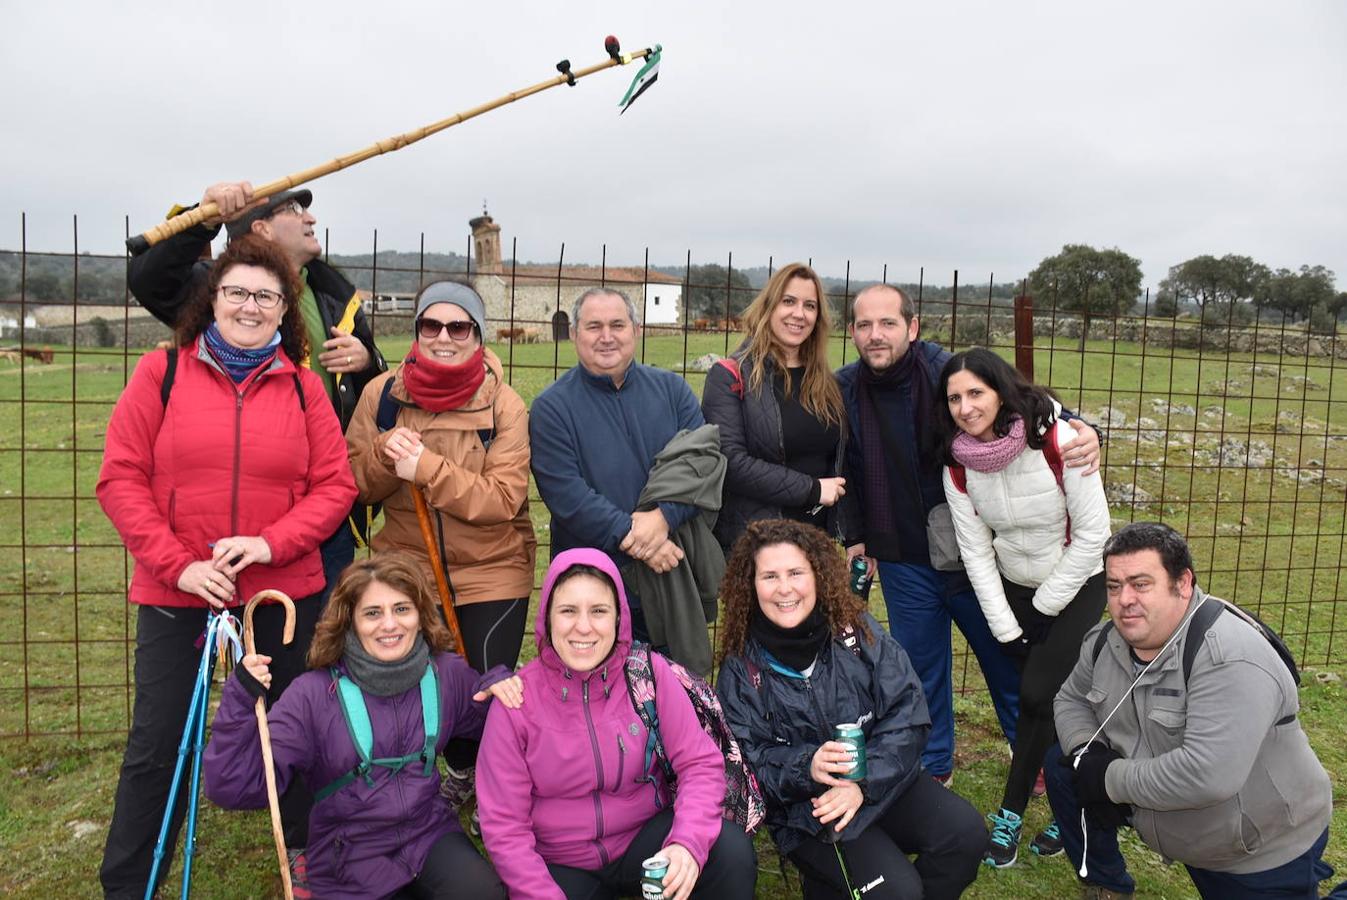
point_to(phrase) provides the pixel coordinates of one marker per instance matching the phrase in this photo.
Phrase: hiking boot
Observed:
(1047, 842)
(1004, 844)
(1095, 892)
(299, 875)
(459, 787)
(946, 780)
(1040, 786)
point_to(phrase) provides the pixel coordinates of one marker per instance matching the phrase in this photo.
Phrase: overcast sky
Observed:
(976, 135)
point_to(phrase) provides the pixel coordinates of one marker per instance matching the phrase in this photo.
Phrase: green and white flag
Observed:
(643, 80)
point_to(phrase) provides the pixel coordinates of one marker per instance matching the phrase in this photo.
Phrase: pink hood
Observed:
(568, 559)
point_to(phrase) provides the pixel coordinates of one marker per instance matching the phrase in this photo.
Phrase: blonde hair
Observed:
(819, 394)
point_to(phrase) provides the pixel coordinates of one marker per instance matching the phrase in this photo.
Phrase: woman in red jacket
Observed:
(222, 473)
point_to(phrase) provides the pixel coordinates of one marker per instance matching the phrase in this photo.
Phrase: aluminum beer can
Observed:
(653, 871)
(860, 578)
(850, 733)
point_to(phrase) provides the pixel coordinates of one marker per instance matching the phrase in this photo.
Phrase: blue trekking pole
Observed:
(218, 629)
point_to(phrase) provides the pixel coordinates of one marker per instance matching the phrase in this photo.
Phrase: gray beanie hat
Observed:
(457, 293)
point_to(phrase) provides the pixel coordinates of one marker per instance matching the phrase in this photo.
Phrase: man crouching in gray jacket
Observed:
(1182, 723)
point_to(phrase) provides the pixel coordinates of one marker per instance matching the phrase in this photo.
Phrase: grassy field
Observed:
(1247, 454)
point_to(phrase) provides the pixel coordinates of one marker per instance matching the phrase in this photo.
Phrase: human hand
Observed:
(648, 533)
(205, 581)
(232, 555)
(1108, 816)
(831, 759)
(1089, 773)
(258, 666)
(856, 550)
(838, 803)
(343, 353)
(1017, 648)
(231, 198)
(831, 490)
(403, 447)
(1035, 625)
(1083, 449)
(509, 691)
(665, 558)
(683, 872)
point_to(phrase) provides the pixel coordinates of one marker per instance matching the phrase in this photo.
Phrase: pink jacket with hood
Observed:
(560, 780)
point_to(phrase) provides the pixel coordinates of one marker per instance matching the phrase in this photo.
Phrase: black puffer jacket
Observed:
(758, 484)
(781, 723)
(163, 277)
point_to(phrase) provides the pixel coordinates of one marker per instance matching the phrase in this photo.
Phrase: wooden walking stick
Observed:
(437, 566)
(264, 732)
(141, 242)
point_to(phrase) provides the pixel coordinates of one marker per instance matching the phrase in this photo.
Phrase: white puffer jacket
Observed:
(1014, 523)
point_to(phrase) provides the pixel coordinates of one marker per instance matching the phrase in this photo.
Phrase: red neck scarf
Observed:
(436, 387)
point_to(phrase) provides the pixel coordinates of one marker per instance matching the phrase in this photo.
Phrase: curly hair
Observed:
(738, 592)
(1019, 397)
(199, 310)
(819, 394)
(398, 571)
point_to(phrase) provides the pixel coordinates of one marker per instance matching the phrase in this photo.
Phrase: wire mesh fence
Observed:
(1234, 432)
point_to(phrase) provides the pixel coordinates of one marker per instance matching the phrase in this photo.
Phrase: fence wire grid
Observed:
(1233, 432)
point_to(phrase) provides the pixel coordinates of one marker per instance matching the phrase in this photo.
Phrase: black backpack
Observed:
(1202, 620)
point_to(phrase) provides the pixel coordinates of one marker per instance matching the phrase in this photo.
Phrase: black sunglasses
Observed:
(429, 329)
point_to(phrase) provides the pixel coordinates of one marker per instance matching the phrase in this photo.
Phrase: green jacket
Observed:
(678, 604)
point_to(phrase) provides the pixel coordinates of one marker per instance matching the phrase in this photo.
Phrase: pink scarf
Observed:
(990, 456)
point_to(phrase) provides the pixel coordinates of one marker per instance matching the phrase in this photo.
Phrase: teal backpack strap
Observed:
(430, 716)
(356, 716)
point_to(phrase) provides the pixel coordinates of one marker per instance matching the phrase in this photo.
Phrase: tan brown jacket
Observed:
(478, 496)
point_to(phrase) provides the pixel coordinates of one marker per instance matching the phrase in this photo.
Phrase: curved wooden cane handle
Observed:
(274, 596)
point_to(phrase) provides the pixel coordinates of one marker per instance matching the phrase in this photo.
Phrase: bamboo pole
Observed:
(179, 223)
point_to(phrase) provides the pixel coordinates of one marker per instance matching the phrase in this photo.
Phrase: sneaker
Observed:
(1004, 844)
(946, 780)
(1040, 786)
(475, 824)
(459, 787)
(1047, 842)
(299, 875)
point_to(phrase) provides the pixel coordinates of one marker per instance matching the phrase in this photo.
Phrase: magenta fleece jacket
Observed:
(561, 779)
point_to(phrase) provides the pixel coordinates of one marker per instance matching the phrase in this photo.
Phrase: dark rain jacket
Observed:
(758, 484)
(163, 277)
(781, 723)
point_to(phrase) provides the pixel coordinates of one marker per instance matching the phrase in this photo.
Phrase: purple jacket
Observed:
(363, 842)
(559, 780)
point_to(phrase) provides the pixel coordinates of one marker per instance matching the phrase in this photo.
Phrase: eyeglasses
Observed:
(429, 329)
(290, 206)
(238, 296)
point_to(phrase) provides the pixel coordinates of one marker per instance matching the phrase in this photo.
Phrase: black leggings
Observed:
(730, 873)
(454, 868)
(1047, 666)
(166, 666)
(493, 632)
(943, 830)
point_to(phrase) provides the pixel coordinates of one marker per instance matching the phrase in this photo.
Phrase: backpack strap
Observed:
(732, 366)
(387, 416)
(356, 716)
(1100, 640)
(959, 475)
(1197, 631)
(1053, 454)
(170, 372)
(299, 391)
(639, 672)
